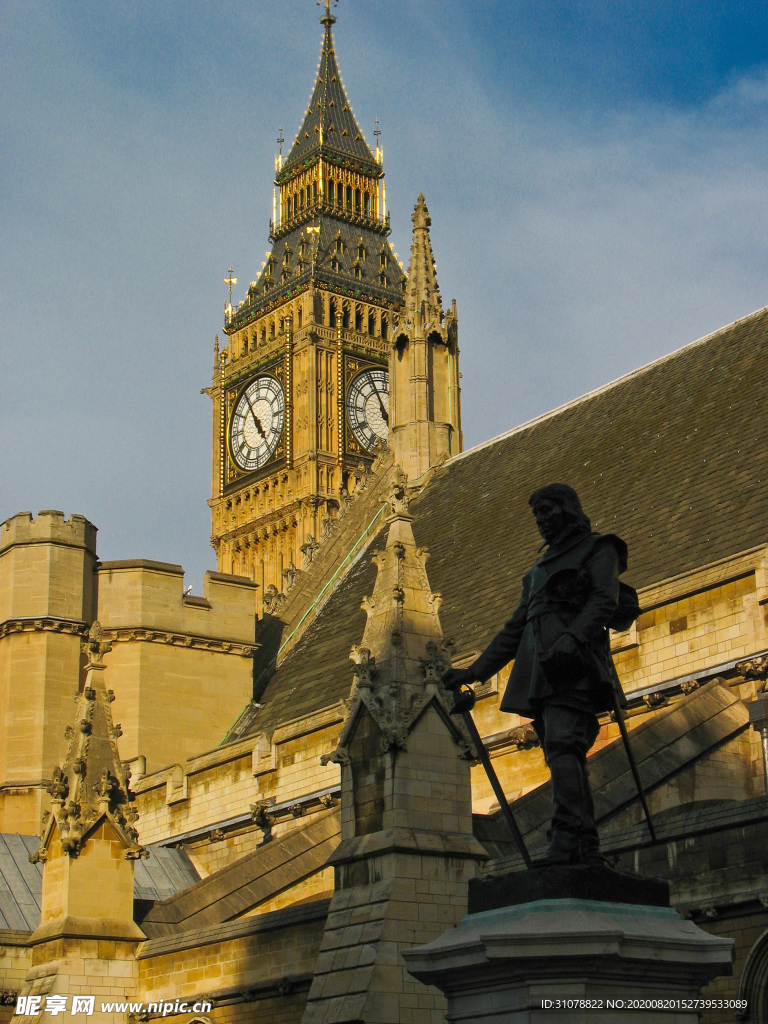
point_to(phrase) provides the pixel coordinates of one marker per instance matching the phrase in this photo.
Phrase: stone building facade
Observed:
(306, 806)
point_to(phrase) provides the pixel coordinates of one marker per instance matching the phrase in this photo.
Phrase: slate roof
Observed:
(672, 457)
(350, 235)
(160, 876)
(163, 874)
(329, 108)
(21, 883)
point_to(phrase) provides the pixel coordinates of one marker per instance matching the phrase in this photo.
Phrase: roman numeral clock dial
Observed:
(257, 423)
(368, 407)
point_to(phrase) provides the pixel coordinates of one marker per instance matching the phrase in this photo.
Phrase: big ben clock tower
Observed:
(301, 391)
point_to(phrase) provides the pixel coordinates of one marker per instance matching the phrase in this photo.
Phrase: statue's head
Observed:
(555, 508)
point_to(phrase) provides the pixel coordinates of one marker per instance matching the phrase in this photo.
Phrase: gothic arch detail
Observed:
(754, 983)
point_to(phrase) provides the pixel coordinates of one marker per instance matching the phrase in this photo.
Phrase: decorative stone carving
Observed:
(524, 737)
(344, 501)
(289, 575)
(435, 663)
(262, 819)
(360, 474)
(273, 600)
(399, 497)
(96, 647)
(308, 549)
(655, 700)
(755, 668)
(93, 782)
(365, 667)
(327, 526)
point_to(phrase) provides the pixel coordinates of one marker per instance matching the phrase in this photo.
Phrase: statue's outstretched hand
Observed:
(455, 678)
(458, 680)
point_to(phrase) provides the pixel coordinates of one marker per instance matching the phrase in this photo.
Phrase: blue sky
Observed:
(596, 174)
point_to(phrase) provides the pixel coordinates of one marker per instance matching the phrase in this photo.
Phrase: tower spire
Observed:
(329, 128)
(422, 291)
(424, 403)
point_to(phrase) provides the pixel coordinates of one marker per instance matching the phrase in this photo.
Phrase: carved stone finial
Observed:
(58, 787)
(434, 664)
(95, 646)
(365, 667)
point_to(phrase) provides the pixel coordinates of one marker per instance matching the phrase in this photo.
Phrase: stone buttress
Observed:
(407, 849)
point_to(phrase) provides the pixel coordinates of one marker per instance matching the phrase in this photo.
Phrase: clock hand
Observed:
(256, 419)
(384, 413)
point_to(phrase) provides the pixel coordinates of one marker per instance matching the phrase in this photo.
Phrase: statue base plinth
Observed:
(572, 961)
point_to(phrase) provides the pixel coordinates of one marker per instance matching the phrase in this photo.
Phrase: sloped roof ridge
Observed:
(603, 388)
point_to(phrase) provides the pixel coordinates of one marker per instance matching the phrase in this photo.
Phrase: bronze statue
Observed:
(563, 675)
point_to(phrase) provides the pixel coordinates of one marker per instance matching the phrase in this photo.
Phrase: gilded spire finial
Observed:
(230, 281)
(328, 19)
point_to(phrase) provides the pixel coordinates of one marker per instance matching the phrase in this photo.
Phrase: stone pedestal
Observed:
(572, 960)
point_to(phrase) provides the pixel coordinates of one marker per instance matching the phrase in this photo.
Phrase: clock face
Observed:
(257, 423)
(368, 407)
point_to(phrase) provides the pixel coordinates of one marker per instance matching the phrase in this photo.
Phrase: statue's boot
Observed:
(563, 848)
(589, 840)
(573, 837)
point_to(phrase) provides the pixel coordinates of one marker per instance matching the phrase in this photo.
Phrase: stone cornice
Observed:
(125, 634)
(43, 624)
(73, 627)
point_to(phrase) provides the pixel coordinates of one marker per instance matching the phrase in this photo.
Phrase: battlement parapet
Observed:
(146, 595)
(50, 527)
(46, 567)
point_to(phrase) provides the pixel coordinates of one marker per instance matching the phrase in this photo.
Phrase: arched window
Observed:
(384, 328)
(345, 318)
